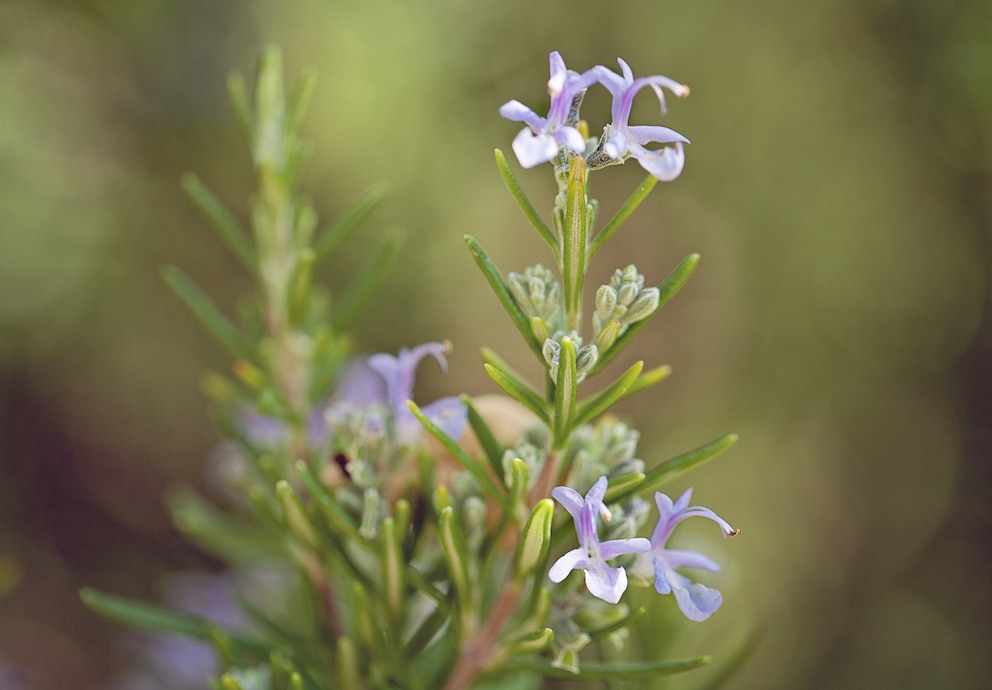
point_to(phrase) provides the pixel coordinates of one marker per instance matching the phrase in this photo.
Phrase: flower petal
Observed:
(620, 547)
(598, 490)
(665, 164)
(574, 559)
(518, 112)
(648, 134)
(606, 582)
(570, 499)
(689, 559)
(570, 137)
(532, 150)
(361, 385)
(697, 601)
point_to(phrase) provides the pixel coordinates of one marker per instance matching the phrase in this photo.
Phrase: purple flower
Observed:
(395, 388)
(540, 143)
(622, 139)
(697, 601)
(603, 581)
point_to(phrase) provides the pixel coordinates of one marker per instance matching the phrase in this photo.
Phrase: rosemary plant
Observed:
(421, 546)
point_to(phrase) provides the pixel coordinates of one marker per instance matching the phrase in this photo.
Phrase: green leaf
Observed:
(216, 532)
(648, 379)
(426, 632)
(629, 206)
(455, 552)
(535, 540)
(348, 669)
(300, 99)
(606, 672)
(238, 94)
(511, 382)
(622, 485)
(565, 391)
(590, 409)
(517, 192)
(227, 226)
(495, 279)
(337, 519)
(361, 288)
(474, 467)
(270, 110)
(158, 619)
(671, 285)
(490, 446)
(349, 221)
(680, 463)
(574, 241)
(218, 325)
(392, 570)
(300, 287)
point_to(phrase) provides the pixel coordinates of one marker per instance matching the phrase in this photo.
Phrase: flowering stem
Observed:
(479, 651)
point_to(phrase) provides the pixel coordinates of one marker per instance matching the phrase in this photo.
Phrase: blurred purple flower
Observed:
(540, 143)
(603, 581)
(622, 139)
(697, 601)
(11, 678)
(178, 663)
(397, 373)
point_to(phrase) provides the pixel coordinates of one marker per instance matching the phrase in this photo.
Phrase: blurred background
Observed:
(838, 189)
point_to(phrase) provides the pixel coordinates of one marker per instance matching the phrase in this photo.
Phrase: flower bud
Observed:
(643, 305)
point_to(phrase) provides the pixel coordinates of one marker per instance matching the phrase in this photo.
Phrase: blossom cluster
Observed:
(697, 601)
(544, 137)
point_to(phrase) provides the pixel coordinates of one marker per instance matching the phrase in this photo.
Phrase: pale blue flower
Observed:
(540, 140)
(697, 601)
(622, 139)
(603, 580)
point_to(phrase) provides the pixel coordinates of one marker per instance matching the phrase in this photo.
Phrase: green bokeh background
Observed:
(838, 188)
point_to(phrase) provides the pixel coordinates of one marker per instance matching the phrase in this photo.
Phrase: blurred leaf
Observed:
(238, 94)
(270, 110)
(364, 285)
(349, 221)
(495, 279)
(218, 325)
(300, 99)
(517, 192)
(158, 619)
(227, 227)
(300, 287)
(216, 532)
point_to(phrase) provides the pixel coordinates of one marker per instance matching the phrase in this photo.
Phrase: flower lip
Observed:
(697, 601)
(602, 580)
